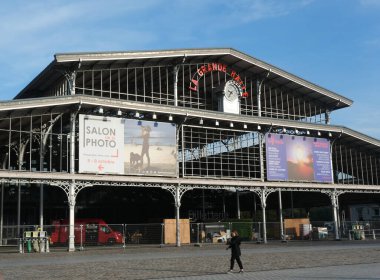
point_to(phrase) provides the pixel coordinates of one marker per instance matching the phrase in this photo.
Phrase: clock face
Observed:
(231, 91)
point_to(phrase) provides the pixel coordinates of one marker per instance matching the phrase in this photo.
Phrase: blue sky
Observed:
(333, 43)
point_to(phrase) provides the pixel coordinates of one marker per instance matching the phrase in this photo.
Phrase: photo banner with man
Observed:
(150, 148)
(109, 145)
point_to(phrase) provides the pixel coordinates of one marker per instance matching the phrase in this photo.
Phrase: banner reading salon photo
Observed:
(150, 148)
(101, 145)
(298, 158)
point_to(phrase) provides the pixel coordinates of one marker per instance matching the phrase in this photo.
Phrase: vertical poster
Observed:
(322, 160)
(276, 157)
(150, 148)
(101, 145)
(298, 158)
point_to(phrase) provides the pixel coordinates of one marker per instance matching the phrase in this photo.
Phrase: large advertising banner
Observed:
(110, 145)
(298, 158)
(101, 145)
(150, 148)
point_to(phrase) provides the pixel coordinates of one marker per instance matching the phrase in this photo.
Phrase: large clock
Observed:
(227, 97)
(232, 91)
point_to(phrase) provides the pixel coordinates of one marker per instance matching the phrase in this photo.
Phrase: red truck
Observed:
(94, 231)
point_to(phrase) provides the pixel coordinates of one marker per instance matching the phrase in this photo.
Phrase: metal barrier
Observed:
(113, 235)
(90, 234)
(144, 233)
(220, 232)
(13, 233)
(124, 235)
(363, 234)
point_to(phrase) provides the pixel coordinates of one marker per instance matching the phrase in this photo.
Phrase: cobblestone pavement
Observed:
(293, 260)
(353, 271)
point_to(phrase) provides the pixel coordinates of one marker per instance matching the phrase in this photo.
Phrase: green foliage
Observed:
(243, 227)
(321, 213)
(298, 213)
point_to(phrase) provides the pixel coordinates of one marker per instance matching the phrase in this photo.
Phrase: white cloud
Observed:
(253, 10)
(32, 31)
(34, 17)
(42, 18)
(373, 42)
(370, 3)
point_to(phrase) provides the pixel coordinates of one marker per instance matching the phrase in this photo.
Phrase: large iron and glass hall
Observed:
(178, 122)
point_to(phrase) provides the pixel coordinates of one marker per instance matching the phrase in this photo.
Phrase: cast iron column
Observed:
(334, 202)
(71, 199)
(334, 194)
(238, 204)
(261, 156)
(1, 213)
(258, 84)
(176, 69)
(177, 220)
(281, 220)
(263, 206)
(18, 209)
(263, 194)
(41, 207)
(71, 77)
(71, 194)
(45, 132)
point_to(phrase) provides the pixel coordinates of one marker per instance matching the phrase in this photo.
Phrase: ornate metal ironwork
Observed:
(16, 177)
(263, 193)
(333, 194)
(77, 187)
(173, 189)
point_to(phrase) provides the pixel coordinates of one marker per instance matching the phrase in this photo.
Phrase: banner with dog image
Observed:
(109, 145)
(150, 148)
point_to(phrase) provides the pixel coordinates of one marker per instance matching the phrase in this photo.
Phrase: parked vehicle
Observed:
(94, 231)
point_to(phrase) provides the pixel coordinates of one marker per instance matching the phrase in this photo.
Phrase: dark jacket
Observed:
(234, 244)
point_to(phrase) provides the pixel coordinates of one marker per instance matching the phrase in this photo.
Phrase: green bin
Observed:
(29, 245)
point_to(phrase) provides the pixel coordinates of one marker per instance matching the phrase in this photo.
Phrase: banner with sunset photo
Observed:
(298, 158)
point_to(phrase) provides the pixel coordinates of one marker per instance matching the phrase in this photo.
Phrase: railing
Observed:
(358, 234)
(124, 235)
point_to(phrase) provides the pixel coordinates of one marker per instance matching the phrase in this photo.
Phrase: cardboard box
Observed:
(170, 231)
(292, 226)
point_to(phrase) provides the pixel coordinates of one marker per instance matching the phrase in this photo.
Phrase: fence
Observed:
(123, 235)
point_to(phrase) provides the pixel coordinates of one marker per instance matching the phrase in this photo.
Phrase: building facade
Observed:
(180, 120)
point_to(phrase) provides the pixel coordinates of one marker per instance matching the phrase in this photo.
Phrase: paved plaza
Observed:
(293, 260)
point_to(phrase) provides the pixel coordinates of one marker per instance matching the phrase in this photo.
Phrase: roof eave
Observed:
(35, 80)
(64, 58)
(273, 69)
(341, 101)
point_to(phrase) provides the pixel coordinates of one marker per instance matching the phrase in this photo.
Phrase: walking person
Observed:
(234, 245)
